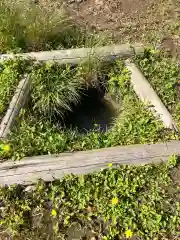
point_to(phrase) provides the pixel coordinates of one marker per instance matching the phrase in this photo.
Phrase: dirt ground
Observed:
(128, 19)
(145, 21)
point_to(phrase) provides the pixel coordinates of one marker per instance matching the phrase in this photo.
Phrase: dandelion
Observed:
(53, 213)
(128, 233)
(110, 165)
(6, 148)
(114, 201)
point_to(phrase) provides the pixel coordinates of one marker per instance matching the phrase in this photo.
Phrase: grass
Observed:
(27, 26)
(40, 131)
(52, 93)
(111, 204)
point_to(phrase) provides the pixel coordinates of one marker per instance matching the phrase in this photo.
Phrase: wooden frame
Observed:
(17, 102)
(148, 96)
(48, 168)
(29, 170)
(75, 56)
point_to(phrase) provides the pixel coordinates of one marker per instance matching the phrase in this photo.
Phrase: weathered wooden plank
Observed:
(147, 95)
(29, 170)
(75, 56)
(15, 105)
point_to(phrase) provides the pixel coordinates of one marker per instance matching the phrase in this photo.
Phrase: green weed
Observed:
(113, 203)
(10, 75)
(164, 75)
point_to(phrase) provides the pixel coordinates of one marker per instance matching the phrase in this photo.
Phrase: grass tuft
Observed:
(55, 89)
(27, 26)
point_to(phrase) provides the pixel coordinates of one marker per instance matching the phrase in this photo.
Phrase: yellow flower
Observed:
(6, 148)
(53, 213)
(110, 165)
(114, 201)
(128, 233)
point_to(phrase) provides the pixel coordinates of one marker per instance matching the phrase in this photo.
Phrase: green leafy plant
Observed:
(163, 74)
(114, 203)
(119, 84)
(10, 73)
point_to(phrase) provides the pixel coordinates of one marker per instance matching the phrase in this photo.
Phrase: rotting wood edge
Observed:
(17, 102)
(48, 168)
(75, 56)
(148, 96)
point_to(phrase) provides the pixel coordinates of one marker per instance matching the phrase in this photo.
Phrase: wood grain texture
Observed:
(48, 168)
(75, 56)
(147, 95)
(15, 105)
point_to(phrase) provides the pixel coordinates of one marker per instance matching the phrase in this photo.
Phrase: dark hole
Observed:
(95, 108)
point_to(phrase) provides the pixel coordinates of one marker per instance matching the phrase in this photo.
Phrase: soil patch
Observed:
(146, 21)
(128, 20)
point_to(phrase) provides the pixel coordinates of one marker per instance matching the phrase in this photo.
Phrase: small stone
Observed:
(30, 188)
(176, 36)
(2, 209)
(99, 2)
